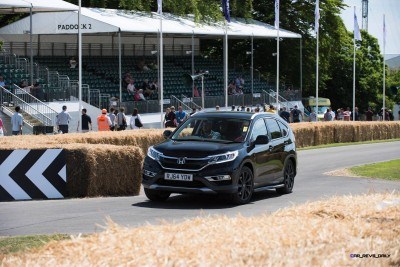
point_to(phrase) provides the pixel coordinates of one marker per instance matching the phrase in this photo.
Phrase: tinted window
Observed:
(259, 128)
(274, 129)
(284, 129)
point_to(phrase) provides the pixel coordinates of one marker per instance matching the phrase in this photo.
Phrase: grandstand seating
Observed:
(103, 73)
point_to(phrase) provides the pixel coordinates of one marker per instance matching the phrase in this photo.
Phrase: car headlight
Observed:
(154, 154)
(229, 156)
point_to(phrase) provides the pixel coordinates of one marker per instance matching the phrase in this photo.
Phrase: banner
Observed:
(277, 14)
(225, 9)
(317, 16)
(357, 33)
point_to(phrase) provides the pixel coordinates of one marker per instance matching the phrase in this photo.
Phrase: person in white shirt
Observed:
(17, 121)
(135, 121)
(63, 119)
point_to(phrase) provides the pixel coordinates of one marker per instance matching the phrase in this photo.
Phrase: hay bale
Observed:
(103, 170)
(322, 233)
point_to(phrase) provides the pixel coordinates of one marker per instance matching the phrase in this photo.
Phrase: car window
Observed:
(231, 129)
(284, 129)
(259, 128)
(274, 129)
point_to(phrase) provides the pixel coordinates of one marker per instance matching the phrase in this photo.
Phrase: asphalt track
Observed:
(73, 216)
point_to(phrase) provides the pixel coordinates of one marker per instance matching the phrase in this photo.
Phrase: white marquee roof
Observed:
(23, 6)
(96, 20)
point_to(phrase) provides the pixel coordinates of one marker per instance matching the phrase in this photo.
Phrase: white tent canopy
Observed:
(24, 6)
(96, 20)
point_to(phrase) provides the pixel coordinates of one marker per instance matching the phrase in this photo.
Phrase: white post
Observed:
(354, 71)
(31, 48)
(316, 76)
(277, 64)
(120, 66)
(226, 65)
(202, 91)
(252, 68)
(80, 66)
(384, 71)
(161, 67)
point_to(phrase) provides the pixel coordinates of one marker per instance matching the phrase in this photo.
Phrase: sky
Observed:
(376, 9)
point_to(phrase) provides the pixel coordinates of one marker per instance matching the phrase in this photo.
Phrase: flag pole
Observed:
(161, 67)
(79, 67)
(354, 65)
(277, 52)
(384, 74)
(226, 65)
(317, 58)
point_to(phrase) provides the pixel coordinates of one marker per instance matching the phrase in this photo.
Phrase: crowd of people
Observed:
(145, 91)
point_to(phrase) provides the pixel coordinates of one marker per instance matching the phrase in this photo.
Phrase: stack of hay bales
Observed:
(321, 133)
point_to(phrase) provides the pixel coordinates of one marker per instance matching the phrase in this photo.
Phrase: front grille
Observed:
(190, 163)
(193, 184)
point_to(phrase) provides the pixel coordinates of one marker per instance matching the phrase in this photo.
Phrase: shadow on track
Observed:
(202, 201)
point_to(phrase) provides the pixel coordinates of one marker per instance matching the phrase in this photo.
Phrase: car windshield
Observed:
(213, 129)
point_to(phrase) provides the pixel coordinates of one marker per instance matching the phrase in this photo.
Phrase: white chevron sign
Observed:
(32, 174)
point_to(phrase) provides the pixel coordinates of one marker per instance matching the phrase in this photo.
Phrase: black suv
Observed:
(233, 153)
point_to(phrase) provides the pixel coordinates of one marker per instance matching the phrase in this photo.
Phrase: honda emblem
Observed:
(181, 161)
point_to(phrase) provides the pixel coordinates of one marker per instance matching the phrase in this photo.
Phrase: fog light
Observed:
(149, 173)
(217, 178)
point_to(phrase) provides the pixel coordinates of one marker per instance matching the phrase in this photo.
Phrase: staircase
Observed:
(34, 111)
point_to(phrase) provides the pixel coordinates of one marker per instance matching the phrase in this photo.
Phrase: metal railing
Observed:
(281, 100)
(190, 102)
(177, 102)
(29, 104)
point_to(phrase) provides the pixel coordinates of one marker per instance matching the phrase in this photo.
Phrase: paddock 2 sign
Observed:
(32, 174)
(68, 27)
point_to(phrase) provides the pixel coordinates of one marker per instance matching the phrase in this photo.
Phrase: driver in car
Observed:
(207, 132)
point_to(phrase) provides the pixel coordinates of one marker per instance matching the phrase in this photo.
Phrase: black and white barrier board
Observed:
(32, 174)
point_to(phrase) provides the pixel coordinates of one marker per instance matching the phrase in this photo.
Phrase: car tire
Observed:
(245, 187)
(155, 195)
(288, 178)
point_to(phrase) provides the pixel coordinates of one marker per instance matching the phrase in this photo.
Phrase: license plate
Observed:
(178, 177)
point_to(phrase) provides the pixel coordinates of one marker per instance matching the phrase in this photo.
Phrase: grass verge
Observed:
(388, 170)
(17, 244)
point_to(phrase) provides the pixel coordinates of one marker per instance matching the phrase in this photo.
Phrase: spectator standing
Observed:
(135, 121)
(271, 109)
(121, 120)
(103, 121)
(2, 129)
(196, 91)
(313, 116)
(369, 114)
(295, 115)
(86, 121)
(180, 115)
(217, 108)
(112, 117)
(356, 114)
(171, 118)
(347, 114)
(63, 119)
(17, 121)
(328, 115)
(285, 115)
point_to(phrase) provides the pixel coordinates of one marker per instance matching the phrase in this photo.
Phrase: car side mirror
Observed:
(167, 134)
(261, 140)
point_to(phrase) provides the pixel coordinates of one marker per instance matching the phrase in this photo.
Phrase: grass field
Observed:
(389, 170)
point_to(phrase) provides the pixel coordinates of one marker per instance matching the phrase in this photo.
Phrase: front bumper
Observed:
(153, 178)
